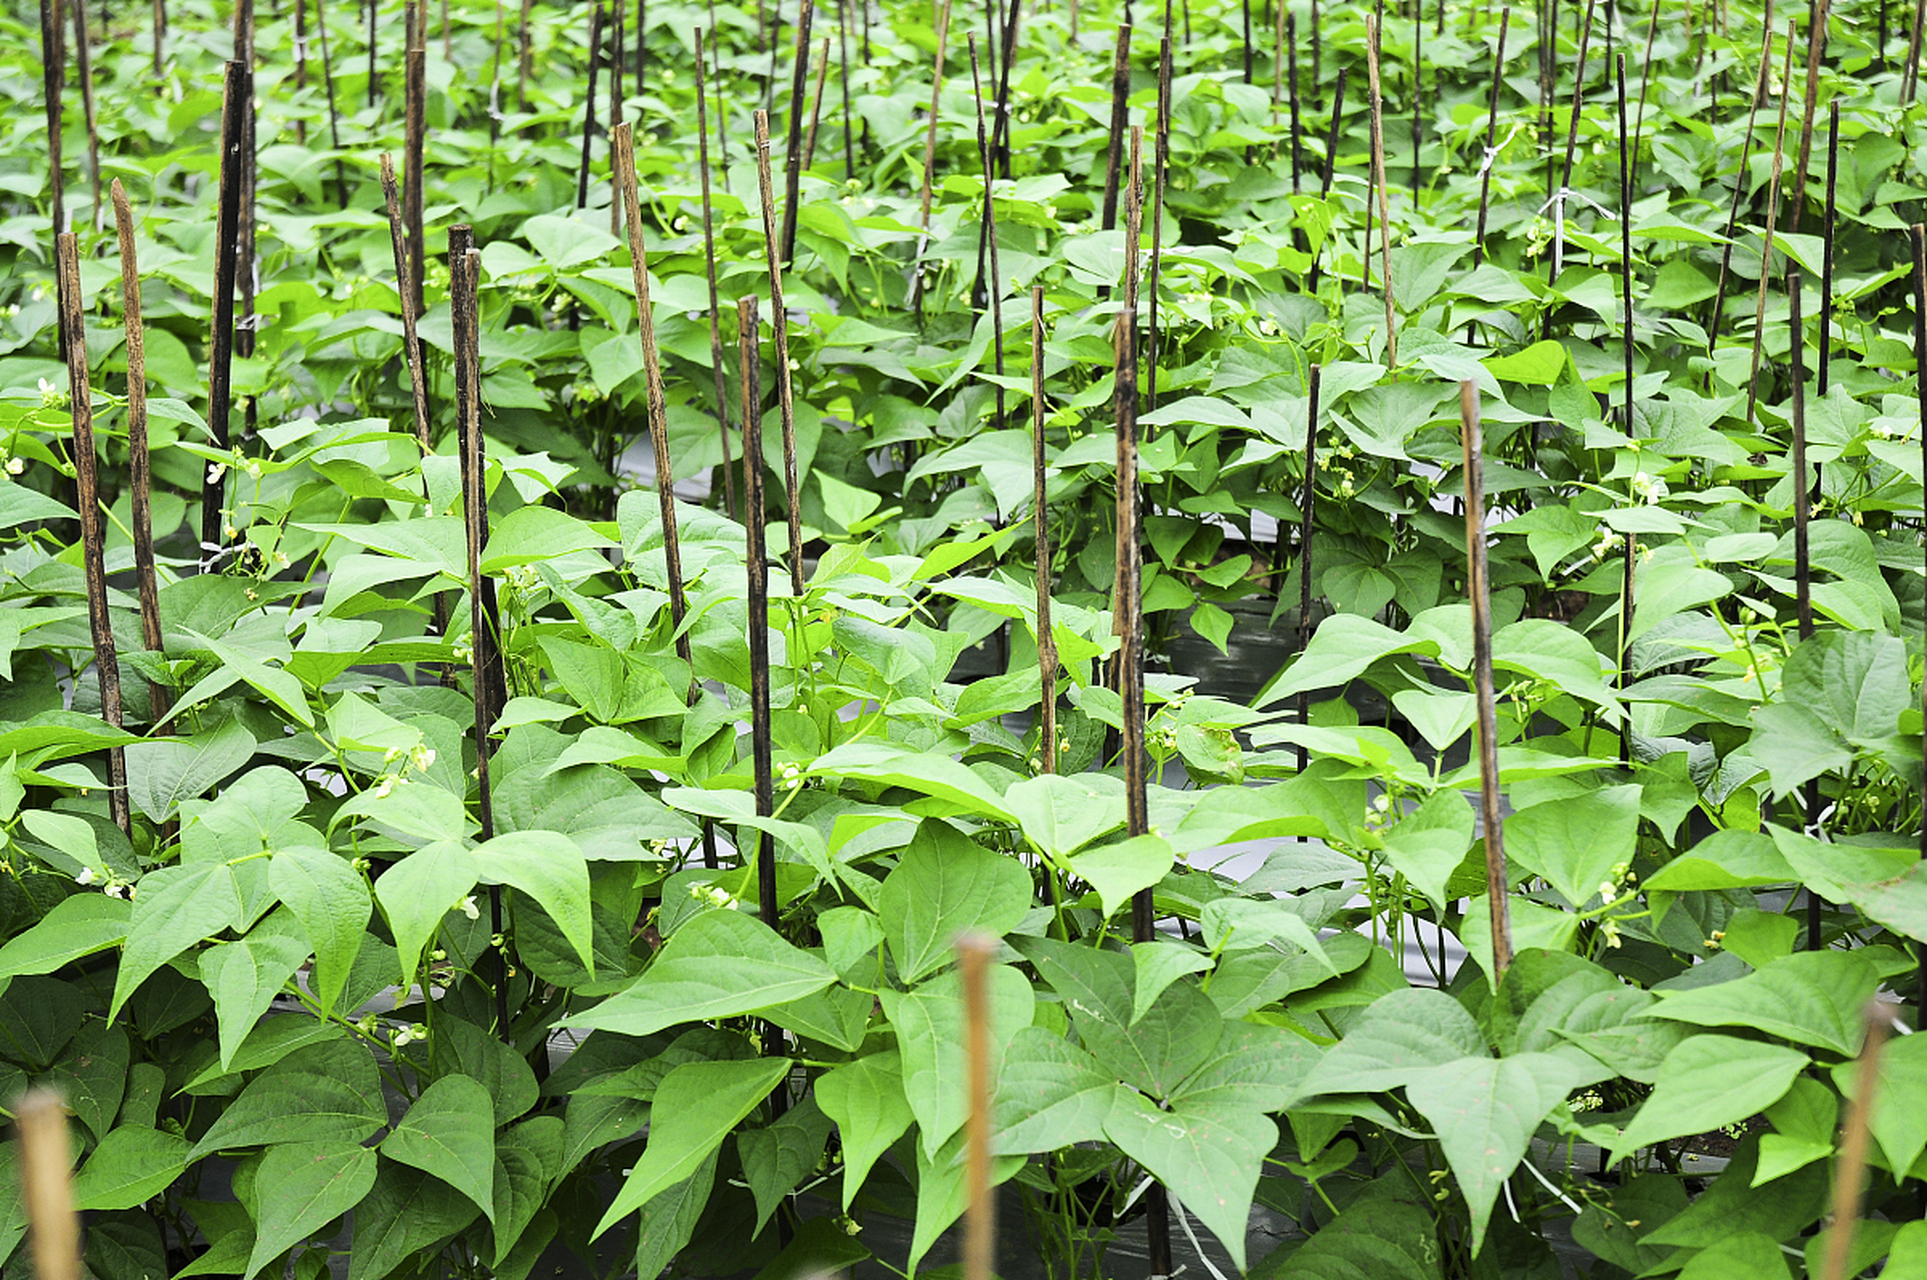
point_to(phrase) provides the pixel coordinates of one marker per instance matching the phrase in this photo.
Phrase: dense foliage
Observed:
(276, 1002)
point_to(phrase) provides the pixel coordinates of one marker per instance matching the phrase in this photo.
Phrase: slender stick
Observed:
(652, 374)
(1646, 67)
(416, 112)
(757, 555)
(1160, 168)
(1910, 76)
(929, 162)
(1772, 210)
(816, 108)
(1040, 509)
(1826, 245)
(87, 487)
(722, 116)
(46, 1163)
(1331, 160)
(1247, 38)
(1625, 241)
(1378, 180)
(617, 68)
(84, 64)
(525, 56)
(843, 80)
(139, 478)
(1491, 139)
(221, 334)
(301, 62)
(1478, 588)
(974, 953)
(1291, 82)
(588, 108)
(246, 267)
(1816, 50)
(405, 243)
(709, 265)
(1307, 505)
(1802, 561)
(1120, 116)
(160, 32)
(53, 76)
(996, 291)
(1000, 125)
(1849, 1176)
(1557, 262)
(1418, 93)
(793, 144)
(1739, 191)
(374, 78)
(780, 332)
(334, 113)
(642, 46)
(1919, 236)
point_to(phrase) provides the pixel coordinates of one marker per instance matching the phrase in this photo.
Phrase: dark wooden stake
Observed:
(1307, 505)
(709, 265)
(415, 104)
(406, 242)
(1331, 164)
(793, 144)
(1491, 139)
(84, 64)
(780, 332)
(1826, 245)
(1625, 241)
(1919, 236)
(1040, 508)
(843, 81)
(334, 114)
(139, 478)
(1816, 50)
(525, 56)
(1378, 180)
(53, 75)
(929, 163)
(1802, 560)
(1646, 67)
(221, 335)
(1772, 210)
(93, 546)
(1291, 88)
(588, 108)
(996, 289)
(1479, 590)
(1160, 170)
(160, 33)
(1739, 193)
(816, 109)
(374, 78)
(749, 344)
(722, 116)
(1120, 117)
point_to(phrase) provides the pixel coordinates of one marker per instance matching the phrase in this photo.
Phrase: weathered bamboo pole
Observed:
(160, 35)
(1491, 139)
(221, 335)
(1919, 237)
(1040, 509)
(1120, 117)
(1160, 171)
(843, 81)
(780, 333)
(1307, 507)
(1760, 85)
(709, 268)
(1772, 210)
(374, 75)
(816, 109)
(46, 1163)
(929, 163)
(407, 269)
(1816, 51)
(415, 107)
(588, 109)
(995, 292)
(334, 113)
(1826, 245)
(1479, 589)
(1372, 34)
(1331, 164)
(84, 65)
(974, 954)
(793, 141)
(1646, 67)
(140, 482)
(524, 56)
(87, 488)
(749, 347)
(1849, 1175)
(1625, 242)
(53, 77)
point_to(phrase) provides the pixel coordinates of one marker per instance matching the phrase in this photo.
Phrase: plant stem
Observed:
(1478, 589)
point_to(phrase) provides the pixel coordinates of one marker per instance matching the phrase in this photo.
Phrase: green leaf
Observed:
(1899, 1122)
(1060, 815)
(934, 775)
(1238, 924)
(1376, 1238)
(244, 977)
(450, 1132)
(1052, 1095)
(1709, 1081)
(1576, 842)
(669, 1220)
(1427, 845)
(1157, 965)
(929, 1023)
(866, 1100)
(174, 908)
(330, 899)
(1538, 365)
(947, 884)
(549, 867)
(162, 773)
(1855, 681)
(1795, 745)
(79, 925)
(1120, 871)
(1252, 1066)
(466, 1049)
(1400, 1035)
(1207, 1156)
(1342, 648)
(417, 892)
(405, 1212)
(777, 1158)
(326, 1092)
(1664, 589)
(1485, 1111)
(1814, 997)
(312, 1184)
(131, 1166)
(696, 1106)
(528, 535)
(21, 505)
(719, 965)
(1725, 860)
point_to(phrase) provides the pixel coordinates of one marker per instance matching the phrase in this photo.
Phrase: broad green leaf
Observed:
(1060, 815)
(720, 965)
(417, 892)
(537, 533)
(929, 1023)
(1052, 1095)
(161, 773)
(449, 1131)
(1664, 589)
(326, 1092)
(1427, 845)
(273, 683)
(866, 1100)
(1725, 860)
(1533, 925)
(1398, 1036)
(945, 885)
(131, 1166)
(1379, 1238)
(1120, 871)
(1485, 1111)
(1342, 648)
(405, 1212)
(312, 1184)
(330, 899)
(1207, 1156)
(934, 775)
(1576, 842)
(1537, 365)
(549, 867)
(778, 1157)
(244, 977)
(22, 505)
(696, 1106)
(1709, 1081)
(1252, 1066)
(1813, 998)
(174, 908)
(466, 1049)
(1855, 681)
(1899, 1122)
(668, 1221)
(1238, 924)
(1795, 745)
(79, 925)
(1157, 966)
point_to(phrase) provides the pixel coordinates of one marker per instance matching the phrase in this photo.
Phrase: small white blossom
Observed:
(86, 876)
(215, 471)
(469, 908)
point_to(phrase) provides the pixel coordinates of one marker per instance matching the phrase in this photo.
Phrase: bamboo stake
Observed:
(525, 56)
(1378, 180)
(1331, 163)
(87, 487)
(1133, 217)
(1646, 68)
(1802, 562)
(1317, 46)
(301, 62)
(46, 1164)
(1496, 881)
(84, 64)
(1418, 92)
(1046, 638)
(221, 336)
(407, 268)
(415, 104)
(334, 115)
(757, 563)
(642, 46)
(160, 33)
(843, 80)
(1120, 117)
(996, 292)
(1558, 194)
(1739, 192)
(709, 265)
(245, 265)
(374, 79)
(1919, 236)
(617, 68)
(1160, 168)
(1307, 505)
(816, 107)
(1816, 50)
(1491, 139)
(780, 332)
(588, 110)
(1000, 125)
(1849, 1176)
(722, 116)
(1910, 76)
(974, 953)
(793, 150)
(1297, 130)
(139, 478)
(53, 75)
(929, 163)
(1772, 210)
(1826, 244)
(1625, 240)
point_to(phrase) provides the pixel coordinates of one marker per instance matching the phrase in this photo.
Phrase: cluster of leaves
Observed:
(582, 1030)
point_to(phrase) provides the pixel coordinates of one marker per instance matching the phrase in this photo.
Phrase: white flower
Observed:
(16, 465)
(119, 891)
(422, 758)
(469, 908)
(52, 396)
(86, 876)
(1607, 891)
(215, 471)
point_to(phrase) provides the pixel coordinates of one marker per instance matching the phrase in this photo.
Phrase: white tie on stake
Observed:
(1558, 206)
